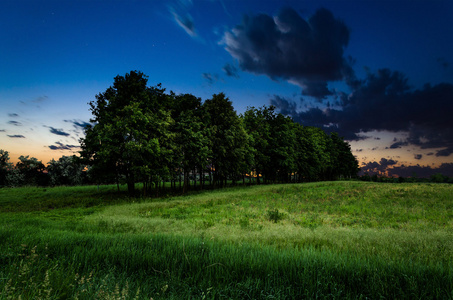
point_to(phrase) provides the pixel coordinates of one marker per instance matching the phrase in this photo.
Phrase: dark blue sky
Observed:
(378, 72)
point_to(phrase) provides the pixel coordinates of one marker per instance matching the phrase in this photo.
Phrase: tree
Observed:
(30, 172)
(319, 158)
(228, 139)
(304, 155)
(281, 148)
(191, 139)
(258, 130)
(67, 170)
(344, 163)
(130, 125)
(273, 138)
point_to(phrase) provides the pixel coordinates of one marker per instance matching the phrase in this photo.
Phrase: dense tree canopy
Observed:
(143, 134)
(130, 137)
(67, 170)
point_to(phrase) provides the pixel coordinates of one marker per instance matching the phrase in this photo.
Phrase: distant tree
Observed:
(5, 167)
(67, 170)
(439, 178)
(29, 171)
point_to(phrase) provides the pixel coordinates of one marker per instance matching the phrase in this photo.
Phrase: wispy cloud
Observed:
(16, 136)
(210, 78)
(40, 99)
(231, 71)
(15, 123)
(61, 146)
(58, 131)
(13, 115)
(180, 12)
(185, 22)
(398, 144)
(78, 124)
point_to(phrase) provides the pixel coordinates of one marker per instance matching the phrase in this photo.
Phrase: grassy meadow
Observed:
(335, 240)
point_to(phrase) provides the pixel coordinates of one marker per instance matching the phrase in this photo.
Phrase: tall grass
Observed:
(329, 240)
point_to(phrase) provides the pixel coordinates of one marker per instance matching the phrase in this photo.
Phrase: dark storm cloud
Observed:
(377, 167)
(231, 71)
(385, 101)
(317, 90)
(445, 152)
(421, 171)
(398, 144)
(15, 123)
(16, 136)
(61, 146)
(285, 106)
(58, 131)
(389, 166)
(305, 52)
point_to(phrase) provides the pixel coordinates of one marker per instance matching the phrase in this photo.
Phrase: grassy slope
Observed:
(330, 239)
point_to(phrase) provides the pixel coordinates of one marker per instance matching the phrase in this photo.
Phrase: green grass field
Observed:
(335, 240)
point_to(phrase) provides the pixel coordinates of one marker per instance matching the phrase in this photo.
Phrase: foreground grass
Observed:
(318, 240)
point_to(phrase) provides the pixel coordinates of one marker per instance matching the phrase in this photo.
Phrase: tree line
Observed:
(29, 171)
(143, 134)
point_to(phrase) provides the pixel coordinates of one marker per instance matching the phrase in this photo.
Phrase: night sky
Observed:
(378, 72)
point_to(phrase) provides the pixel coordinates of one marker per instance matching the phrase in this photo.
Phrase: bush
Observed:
(274, 215)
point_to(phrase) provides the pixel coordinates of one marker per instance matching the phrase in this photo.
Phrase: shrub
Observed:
(274, 215)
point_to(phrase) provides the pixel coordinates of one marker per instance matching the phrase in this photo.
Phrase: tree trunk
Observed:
(156, 183)
(210, 178)
(180, 180)
(194, 174)
(201, 178)
(184, 189)
(144, 188)
(131, 187)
